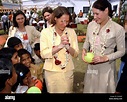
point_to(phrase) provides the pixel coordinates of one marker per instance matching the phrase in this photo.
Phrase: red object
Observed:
(25, 37)
(38, 84)
(41, 24)
(57, 62)
(80, 38)
(73, 25)
(107, 30)
(67, 51)
(34, 24)
(86, 21)
(2, 40)
(82, 22)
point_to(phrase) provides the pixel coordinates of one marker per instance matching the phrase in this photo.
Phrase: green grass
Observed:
(79, 64)
(2, 32)
(82, 27)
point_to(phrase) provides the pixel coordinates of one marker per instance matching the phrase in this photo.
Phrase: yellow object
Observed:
(89, 56)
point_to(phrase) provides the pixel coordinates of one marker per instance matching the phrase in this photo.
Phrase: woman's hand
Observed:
(64, 40)
(100, 59)
(83, 54)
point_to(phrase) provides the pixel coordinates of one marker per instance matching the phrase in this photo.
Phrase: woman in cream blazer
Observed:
(23, 31)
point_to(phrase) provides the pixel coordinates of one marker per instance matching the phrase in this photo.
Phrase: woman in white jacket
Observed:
(26, 33)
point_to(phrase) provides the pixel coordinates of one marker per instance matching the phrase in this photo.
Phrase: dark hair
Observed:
(102, 5)
(13, 41)
(37, 46)
(7, 52)
(24, 51)
(5, 71)
(58, 12)
(15, 24)
(47, 9)
(21, 71)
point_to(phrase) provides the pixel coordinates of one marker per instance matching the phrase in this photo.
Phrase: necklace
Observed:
(57, 60)
(96, 39)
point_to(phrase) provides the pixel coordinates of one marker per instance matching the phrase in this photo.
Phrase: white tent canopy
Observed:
(40, 4)
(77, 4)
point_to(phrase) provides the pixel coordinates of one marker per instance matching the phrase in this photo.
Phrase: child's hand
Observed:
(31, 81)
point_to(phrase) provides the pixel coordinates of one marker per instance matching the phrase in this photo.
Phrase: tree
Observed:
(90, 16)
(122, 13)
(1, 3)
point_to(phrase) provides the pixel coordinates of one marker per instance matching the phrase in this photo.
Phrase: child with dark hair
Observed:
(24, 79)
(38, 59)
(8, 76)
(9, 53)
(27, 60)
(15, 43)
